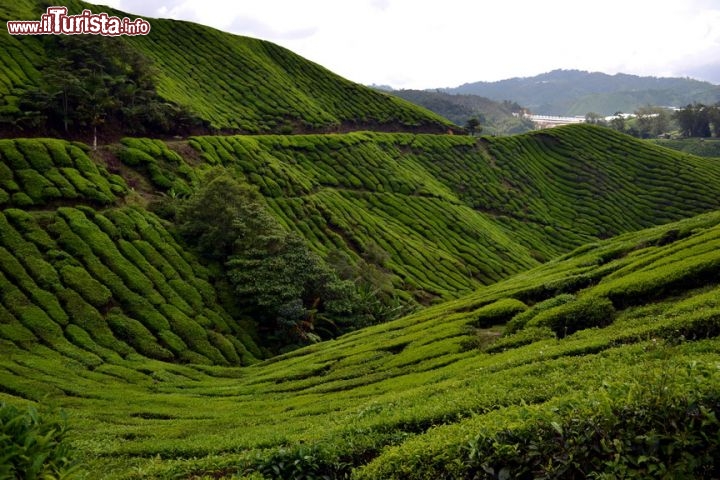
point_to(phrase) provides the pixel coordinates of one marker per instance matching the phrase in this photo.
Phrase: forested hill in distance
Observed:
(227, 83)
(576, 92)
(494, 117)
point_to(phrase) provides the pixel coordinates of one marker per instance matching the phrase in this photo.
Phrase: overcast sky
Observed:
(430, 44)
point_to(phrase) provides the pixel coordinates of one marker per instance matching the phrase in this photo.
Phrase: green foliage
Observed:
(35, 177)
(34, 446)
(578, 314)
(89, 81)
(498, 313)
(521, 319)
(134, 333)
(282, 283)
(72, 268)
(652, 433)
(526, 336)
(696, 119)
(79, 279)
(134, 157)
(221, 214)
(301, 463)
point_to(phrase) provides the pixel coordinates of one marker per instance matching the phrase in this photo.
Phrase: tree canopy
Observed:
(88, 82)
(296, 296)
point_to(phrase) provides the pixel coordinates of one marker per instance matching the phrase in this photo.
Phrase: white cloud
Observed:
(423, 44)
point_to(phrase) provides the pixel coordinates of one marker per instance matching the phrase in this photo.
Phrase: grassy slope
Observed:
(455, 213)
(452, 214)
(87, 290)
(233, 82)
(403, 398)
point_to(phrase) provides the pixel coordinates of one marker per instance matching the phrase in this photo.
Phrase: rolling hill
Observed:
(232, 83)
(476, 211)
(83, 259)
(574, 92)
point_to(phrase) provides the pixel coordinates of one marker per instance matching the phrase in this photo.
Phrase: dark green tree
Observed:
(224, 216)
(296, 296)
(714, 117)
(617, 122)
(594, 118)
(694, 120)
(473, 126)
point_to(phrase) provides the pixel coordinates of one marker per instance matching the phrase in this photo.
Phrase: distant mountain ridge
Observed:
(576, 92)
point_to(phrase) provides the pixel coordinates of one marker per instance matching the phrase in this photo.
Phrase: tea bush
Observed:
(581, 313)
(34, 446)
(521, 319)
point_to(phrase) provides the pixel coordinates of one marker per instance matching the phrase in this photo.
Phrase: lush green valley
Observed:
(475, 211)
(438, 394)
(102, 301)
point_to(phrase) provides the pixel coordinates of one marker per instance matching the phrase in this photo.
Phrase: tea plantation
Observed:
(630, 389)
(554, 297)
(454, 213)
(108, 316)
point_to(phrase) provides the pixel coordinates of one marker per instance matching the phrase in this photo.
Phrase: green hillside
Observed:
(100, 280)
(437, 394)
(455, 213)
(82, 255)
(232, 83)
(107, 314)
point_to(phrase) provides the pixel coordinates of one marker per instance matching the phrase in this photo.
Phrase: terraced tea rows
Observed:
(406, 399)
(20, 56)
(453, 213)
(602, 362)
(100, 284)
(35, 173)
(347, 191)
(263, 87)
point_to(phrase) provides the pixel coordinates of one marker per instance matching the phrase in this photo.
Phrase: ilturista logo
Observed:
(57, 22)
